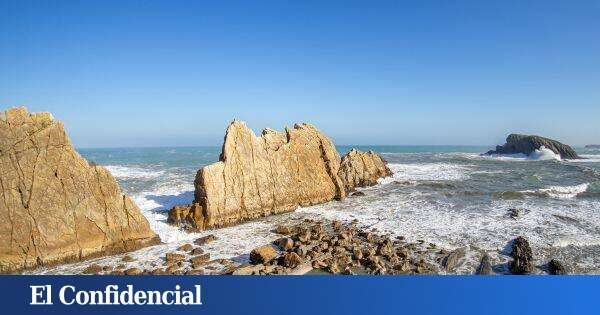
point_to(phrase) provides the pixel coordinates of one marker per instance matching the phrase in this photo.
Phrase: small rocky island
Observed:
(526, 144)
(274, 173)
(56, 207)
(592, 146)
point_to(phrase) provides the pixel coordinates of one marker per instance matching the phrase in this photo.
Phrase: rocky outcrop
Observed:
(525, 144)
(361, 169)
(271, 174)
(54, 206)
(522, 257)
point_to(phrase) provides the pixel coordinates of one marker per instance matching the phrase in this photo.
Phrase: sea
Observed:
(451, 196)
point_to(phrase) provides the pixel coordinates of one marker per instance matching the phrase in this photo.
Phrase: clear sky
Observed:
(162, 73)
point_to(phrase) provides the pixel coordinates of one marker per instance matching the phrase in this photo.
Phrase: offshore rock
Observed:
(55, 206)
(522, 257)
(271, 174)
(516, 143)
(361, 169)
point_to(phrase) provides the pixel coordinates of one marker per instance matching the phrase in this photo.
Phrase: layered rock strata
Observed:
(54, 205)
(525, 144)
(273, 173)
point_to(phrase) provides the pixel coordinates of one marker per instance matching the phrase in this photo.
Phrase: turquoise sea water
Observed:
(448, 195)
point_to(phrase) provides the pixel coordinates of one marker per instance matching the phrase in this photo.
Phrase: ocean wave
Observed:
(426, 172)
(560, 192)
(129, 172)
(588, 158)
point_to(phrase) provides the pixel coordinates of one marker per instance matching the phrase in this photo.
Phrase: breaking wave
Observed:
(127, 172)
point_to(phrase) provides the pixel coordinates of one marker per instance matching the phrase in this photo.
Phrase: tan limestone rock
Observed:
(54, 206)
(361, 169)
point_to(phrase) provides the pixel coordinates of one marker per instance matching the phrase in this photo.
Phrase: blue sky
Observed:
(161, 73)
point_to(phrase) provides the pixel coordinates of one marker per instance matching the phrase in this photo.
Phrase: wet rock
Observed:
(127, 258)
(172, 269)
(92, 269)
(485, 266)
(555, 267)
(197, 251)
(451, 261)
(107, 268)
(158, 272)
(358, 194)
(120, 267)
(205, 240)
(292, 260)
(514, 213)
(185, 247)
(200, 260)
(285, 243)
(133, 272)
(522, 257)
(172, 258)
(263, 254)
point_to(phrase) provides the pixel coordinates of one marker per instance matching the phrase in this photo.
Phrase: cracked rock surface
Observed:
(54, 206)
(274, 173)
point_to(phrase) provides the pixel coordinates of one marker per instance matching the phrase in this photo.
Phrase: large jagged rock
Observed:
(54, 206)
(361, 169)
(272, 174)
(525, 144)
(522, 255)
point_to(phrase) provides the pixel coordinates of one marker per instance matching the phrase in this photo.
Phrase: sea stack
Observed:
(516, 143)
(55, 206)
(273, 173)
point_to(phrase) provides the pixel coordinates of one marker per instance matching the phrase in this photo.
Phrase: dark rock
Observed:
(555, 267)
(127, 258)
(194, 272)
(451, 261)
(205, 240)
(522, 257)
(525, 144)
(292, 260)
(197, 251)
(485, 266)
(358, 194)
(514, 213)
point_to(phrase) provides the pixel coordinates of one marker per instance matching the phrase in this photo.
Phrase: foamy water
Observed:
(453, 199)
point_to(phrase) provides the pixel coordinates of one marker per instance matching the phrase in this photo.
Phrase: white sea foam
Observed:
(561, 192)
(544, 154)
(128, 172)
(587, 158)
(431, 171)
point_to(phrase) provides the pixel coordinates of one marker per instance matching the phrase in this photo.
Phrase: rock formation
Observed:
(274, 173)
(54, 206)
(361, 169)
(522, 257)
(525, 144)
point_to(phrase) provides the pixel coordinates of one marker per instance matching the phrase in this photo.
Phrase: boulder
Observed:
(271, 174)
(92, 269)
(200, 260)
(56, 207)
(362, 169)
(522, 257)
(485, 266)
(172, 258)
(451, 261)
(516, 143)
(555, 267)
(205, 240)
(263, 254)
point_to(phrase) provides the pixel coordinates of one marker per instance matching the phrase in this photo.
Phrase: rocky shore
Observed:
(309, 247)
